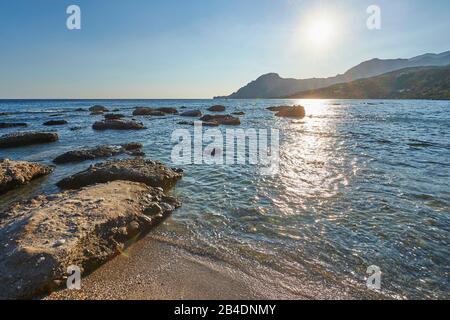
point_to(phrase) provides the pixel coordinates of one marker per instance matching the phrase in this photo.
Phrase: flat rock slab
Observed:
(143, 111)
(226, 120)
(27, 138)
(114, 116)
(41, 238)
(150, 172)
(118, 125)
(217, 108)
(4, 125)
(289, 111)
(55, 123)
(191, 113)
(14, 174)
(104, 151)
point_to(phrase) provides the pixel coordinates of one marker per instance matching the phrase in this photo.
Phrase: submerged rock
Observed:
(204, 123)
(191, 113)
(14, 174)
(147, 112)
(104, 151)
(98, 108)
(238, 113)
(85, 228)
(226, 120)
(97, 113)
(75, 128)
(55, 123)
(27, 138)
(150, 172)
(289, 111)
(4, 125)
(113, 116)
(217, 108)
(117, 125)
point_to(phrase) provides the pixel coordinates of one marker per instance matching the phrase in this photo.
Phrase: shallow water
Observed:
(360, 183)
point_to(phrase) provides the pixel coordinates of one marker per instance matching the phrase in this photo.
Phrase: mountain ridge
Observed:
(272, 85)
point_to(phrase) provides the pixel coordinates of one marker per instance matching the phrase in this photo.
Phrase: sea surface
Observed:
(360, 183)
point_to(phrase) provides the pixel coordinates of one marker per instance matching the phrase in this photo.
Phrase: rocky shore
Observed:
(105, 208)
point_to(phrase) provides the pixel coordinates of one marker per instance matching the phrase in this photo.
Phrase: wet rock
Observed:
(112, 116)
(42, 238)
(168, 110)
(14, 174)
(97, 113)
(75, 128)
(204, 123)
(4, 125)
(80, 110)
(238, 113)
(191, 113)
(226, 120)
(104, 151)
(217, 108)
(288, 111)
(148, 112)
(27, 138)
(98, 108)
(150, 172)
(117, 125)
(55, 123)
(56, 115)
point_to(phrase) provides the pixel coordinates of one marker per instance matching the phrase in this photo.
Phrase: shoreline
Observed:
(158, 270)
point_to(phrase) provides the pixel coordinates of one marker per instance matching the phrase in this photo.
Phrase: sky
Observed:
(200, 48)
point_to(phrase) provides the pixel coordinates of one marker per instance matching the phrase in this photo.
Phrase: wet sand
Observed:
(152, 269)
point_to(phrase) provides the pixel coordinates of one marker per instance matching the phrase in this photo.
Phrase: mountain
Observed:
(409, 83)
(273, 86)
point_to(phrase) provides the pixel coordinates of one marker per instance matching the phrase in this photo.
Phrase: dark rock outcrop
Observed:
(41, 238)
(150, 172)
(226, 120)
(148, 112)
(55, 123)
(98, 108)
(113, 116)
(134, 149)
(27, 138)
(4, 125)
(289, 111)
(238, 113)
(191, 113)
(14, 174)
(204, 123)
(217, 108)
(117, 125)
(167, 110)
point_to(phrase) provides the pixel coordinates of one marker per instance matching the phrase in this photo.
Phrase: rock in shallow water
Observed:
(14, 174)
(217, 108)
(98, 108)
(4, 125)
(117, 125)
(191, 113)
(289, 111)
(55, 123)
(150, 172)
(27, 138)
(43, 237)
(133, 149)
(226, 120)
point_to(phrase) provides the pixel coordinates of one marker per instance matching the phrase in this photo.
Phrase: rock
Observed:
(217, 108)
(42, 238)
(80, 110)
(97, 113)
(112, 116)
(26, 138)
(168, 110)
(289, 111)
(152, 173)
(98, 108)
(4, 125)
(147, 112)
(99, 152)
(117, 125)
(191, 113)
(204, 123)
(75, 128)
(221, 119)
(238, 113)
(56, 115)
(55, 123)
(14, 174)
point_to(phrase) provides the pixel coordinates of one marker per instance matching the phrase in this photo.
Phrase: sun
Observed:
(319, 32)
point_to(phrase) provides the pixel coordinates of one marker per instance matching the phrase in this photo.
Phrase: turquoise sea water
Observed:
(361, 183)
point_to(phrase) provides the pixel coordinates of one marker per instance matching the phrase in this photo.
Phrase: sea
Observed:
(362, 189)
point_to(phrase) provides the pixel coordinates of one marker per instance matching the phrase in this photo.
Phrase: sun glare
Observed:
(320, 33)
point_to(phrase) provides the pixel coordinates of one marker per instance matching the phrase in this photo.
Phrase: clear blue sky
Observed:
(197, 48)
